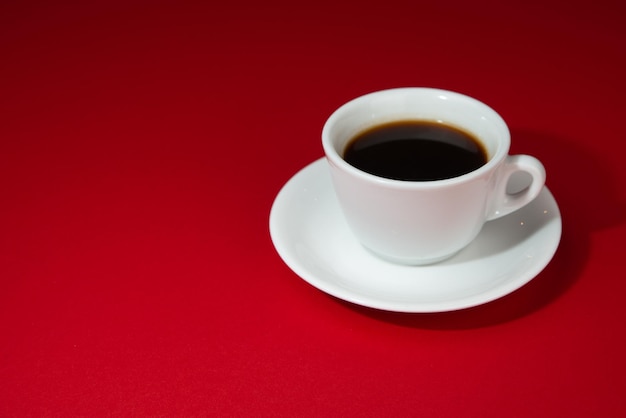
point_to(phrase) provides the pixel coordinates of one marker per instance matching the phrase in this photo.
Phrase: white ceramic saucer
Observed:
(310, 234)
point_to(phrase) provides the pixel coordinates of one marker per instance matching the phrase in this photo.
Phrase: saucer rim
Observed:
(342, 293)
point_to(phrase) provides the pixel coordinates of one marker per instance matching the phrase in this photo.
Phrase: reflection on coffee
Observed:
(414, 150)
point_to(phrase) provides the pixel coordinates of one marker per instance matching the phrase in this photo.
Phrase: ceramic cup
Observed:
(423, 222)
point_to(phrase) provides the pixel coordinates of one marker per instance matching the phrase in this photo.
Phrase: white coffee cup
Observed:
(423, 222)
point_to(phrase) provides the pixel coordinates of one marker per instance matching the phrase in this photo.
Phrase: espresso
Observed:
(414, 150)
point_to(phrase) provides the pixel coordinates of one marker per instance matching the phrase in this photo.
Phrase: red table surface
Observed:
(142, 146)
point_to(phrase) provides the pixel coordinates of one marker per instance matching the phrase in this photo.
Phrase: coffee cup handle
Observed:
(505, 203)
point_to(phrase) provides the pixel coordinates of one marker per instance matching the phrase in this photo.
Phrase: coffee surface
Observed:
(415, 151)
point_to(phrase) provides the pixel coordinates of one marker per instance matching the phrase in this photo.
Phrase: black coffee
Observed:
(415, 151)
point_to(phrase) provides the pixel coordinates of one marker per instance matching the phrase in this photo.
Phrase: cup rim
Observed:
(336, 159)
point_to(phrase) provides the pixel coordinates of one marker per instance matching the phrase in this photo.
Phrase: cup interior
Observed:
(426, 104)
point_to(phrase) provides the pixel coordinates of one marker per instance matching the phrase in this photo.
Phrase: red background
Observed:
(141, 148)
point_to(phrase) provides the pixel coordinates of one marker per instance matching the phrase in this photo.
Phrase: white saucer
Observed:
(311, 236)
